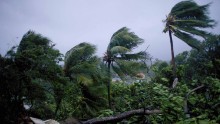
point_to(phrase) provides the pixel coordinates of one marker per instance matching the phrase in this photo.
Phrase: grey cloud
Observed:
(70, 22)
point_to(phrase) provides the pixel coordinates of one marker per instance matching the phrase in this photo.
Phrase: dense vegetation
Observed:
(35, 82)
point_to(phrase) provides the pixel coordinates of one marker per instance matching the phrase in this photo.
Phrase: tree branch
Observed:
(121, 116)
(186, 99)
(193, 90)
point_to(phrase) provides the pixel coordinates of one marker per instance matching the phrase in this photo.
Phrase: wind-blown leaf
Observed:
(79, 54)
(187, 38)
(186, 20)
(194, 22)
(84, 79)
(130, 68)
(135, 56)
(194, 31)
(124, 38)
(190, 9)
(119, 50)
(119, 71)
(84, 69)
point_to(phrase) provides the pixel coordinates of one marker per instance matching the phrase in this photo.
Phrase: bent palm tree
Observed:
(80, 62)
(83, 68)
(185, 20)
(119, 55)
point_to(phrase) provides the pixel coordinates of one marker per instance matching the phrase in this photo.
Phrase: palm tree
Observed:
(83, 69)
(119, 56)
(186, 20)
(80, 62)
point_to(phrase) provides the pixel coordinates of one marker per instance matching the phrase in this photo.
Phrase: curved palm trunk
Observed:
(109, 84)
(172, 54)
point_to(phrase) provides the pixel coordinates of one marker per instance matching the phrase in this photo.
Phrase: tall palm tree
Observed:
(186, 20)
(119, 57)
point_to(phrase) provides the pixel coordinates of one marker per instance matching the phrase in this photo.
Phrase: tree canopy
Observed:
(119, 56)
(186, 20)
(36, 80)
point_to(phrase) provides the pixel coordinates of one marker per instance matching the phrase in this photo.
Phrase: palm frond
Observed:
(196, 15)
(194, 23)
(193, 31)
(78, 54)
(190, 9)
(85, 67)
(135, 56)
(187, 38)
(130, 68)
(124, 38)
(118, 71)
(123, 29)
(84, 79)
(119, 50)
(186, 19)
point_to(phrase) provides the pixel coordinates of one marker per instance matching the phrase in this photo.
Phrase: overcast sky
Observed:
(69, 22)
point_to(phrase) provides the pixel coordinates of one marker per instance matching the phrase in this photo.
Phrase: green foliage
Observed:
(105, 113)
(162, 73)
(28, 75)
(149, 96)
(119, 53)
(194, 68)
(119, 57)
(186, 19)
(86, 96)
(124, 38)
(80, 60)
(197, 120)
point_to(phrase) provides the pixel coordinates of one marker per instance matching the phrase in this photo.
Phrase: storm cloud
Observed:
(69, 22)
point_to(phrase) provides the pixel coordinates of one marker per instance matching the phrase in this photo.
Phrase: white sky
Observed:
(69, 22)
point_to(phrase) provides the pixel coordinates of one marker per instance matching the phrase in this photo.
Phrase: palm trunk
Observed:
(172, 54)
(109, 84)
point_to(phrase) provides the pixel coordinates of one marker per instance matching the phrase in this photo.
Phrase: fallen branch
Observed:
(121, 116)
(186, 100)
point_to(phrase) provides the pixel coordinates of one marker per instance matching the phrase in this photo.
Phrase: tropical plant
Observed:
(186, 20)
(31, 75)
(198, 71)
(85, 72)
(119, 57)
